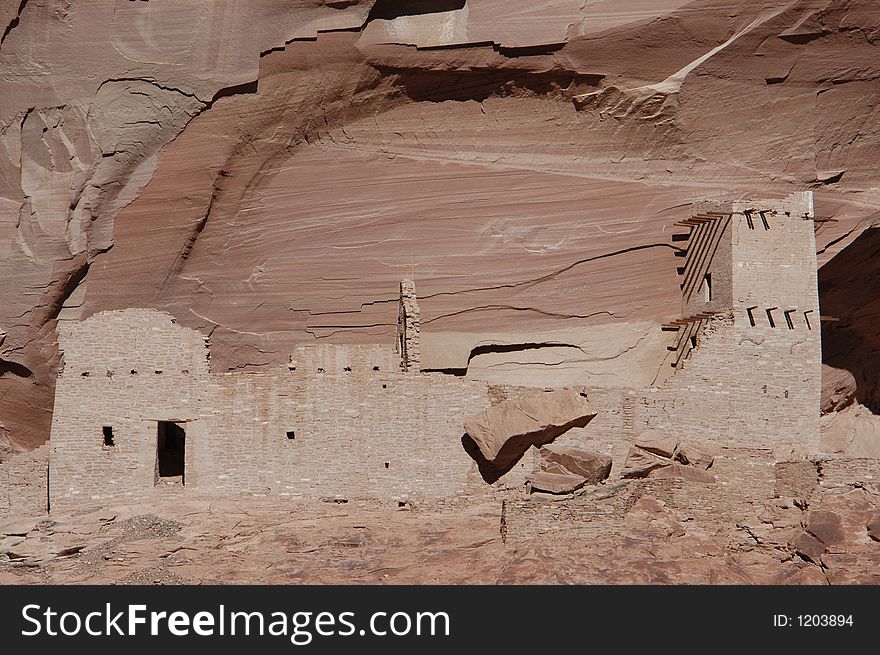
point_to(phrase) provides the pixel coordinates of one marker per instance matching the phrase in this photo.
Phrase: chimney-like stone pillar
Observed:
(408, 326)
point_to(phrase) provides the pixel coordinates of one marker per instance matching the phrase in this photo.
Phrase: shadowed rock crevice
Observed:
(500, 349)
(849, 291)
(14, 22)
(391, 9)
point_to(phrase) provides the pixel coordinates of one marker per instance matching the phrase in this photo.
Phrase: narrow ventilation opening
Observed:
(387, 464)
(707, 287)
(750, 311)
(108, 436)
(291, 434)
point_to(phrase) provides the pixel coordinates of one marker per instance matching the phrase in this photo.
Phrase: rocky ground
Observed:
(204, 541)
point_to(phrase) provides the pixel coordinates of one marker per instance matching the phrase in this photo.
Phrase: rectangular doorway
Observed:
(171, 454)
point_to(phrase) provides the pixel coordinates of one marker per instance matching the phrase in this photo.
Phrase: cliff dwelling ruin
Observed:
(138, 410)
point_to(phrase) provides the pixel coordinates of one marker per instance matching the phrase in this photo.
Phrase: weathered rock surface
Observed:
(505, 431)
(573, 460)
(643, 535)
(854, 431)
(838, 388)
(554, 483)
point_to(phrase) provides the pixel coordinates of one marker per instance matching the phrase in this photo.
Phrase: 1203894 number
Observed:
(824, 620)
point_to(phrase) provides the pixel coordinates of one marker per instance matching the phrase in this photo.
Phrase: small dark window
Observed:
(707, 287)
(693, 341)
(375, 368)
(320, 370)
(85, 374)
(347, 369)
(158, 371)
(384, 386)
(291, 435)
(133, 372)
(108, 435)
(387, 464)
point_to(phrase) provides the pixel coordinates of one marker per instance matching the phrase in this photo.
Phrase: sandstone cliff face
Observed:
(268, 172)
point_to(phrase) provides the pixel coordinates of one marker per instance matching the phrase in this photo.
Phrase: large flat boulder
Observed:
(573, 460)
(554, 483)
(503, 433)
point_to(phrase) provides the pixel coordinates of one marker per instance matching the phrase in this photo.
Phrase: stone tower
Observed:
(748, 346)
(408, 327)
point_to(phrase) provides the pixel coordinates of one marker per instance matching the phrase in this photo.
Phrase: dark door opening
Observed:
(171, 454)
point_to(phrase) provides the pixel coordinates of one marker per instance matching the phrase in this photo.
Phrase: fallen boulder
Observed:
(554, 483)
(18, 527)
(657, 443)
(500, 435)
(577, 461)
(693, 455)
(639, 463)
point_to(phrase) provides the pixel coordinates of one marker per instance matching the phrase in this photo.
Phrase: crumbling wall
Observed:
(409, 326)
(23, 483)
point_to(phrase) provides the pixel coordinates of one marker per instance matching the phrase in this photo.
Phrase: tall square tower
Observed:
(748, 346)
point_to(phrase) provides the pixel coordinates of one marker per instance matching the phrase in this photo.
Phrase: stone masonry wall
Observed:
(125, 370)
(23, 482)
(357, 433)
(743, 386)
(337, 421)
